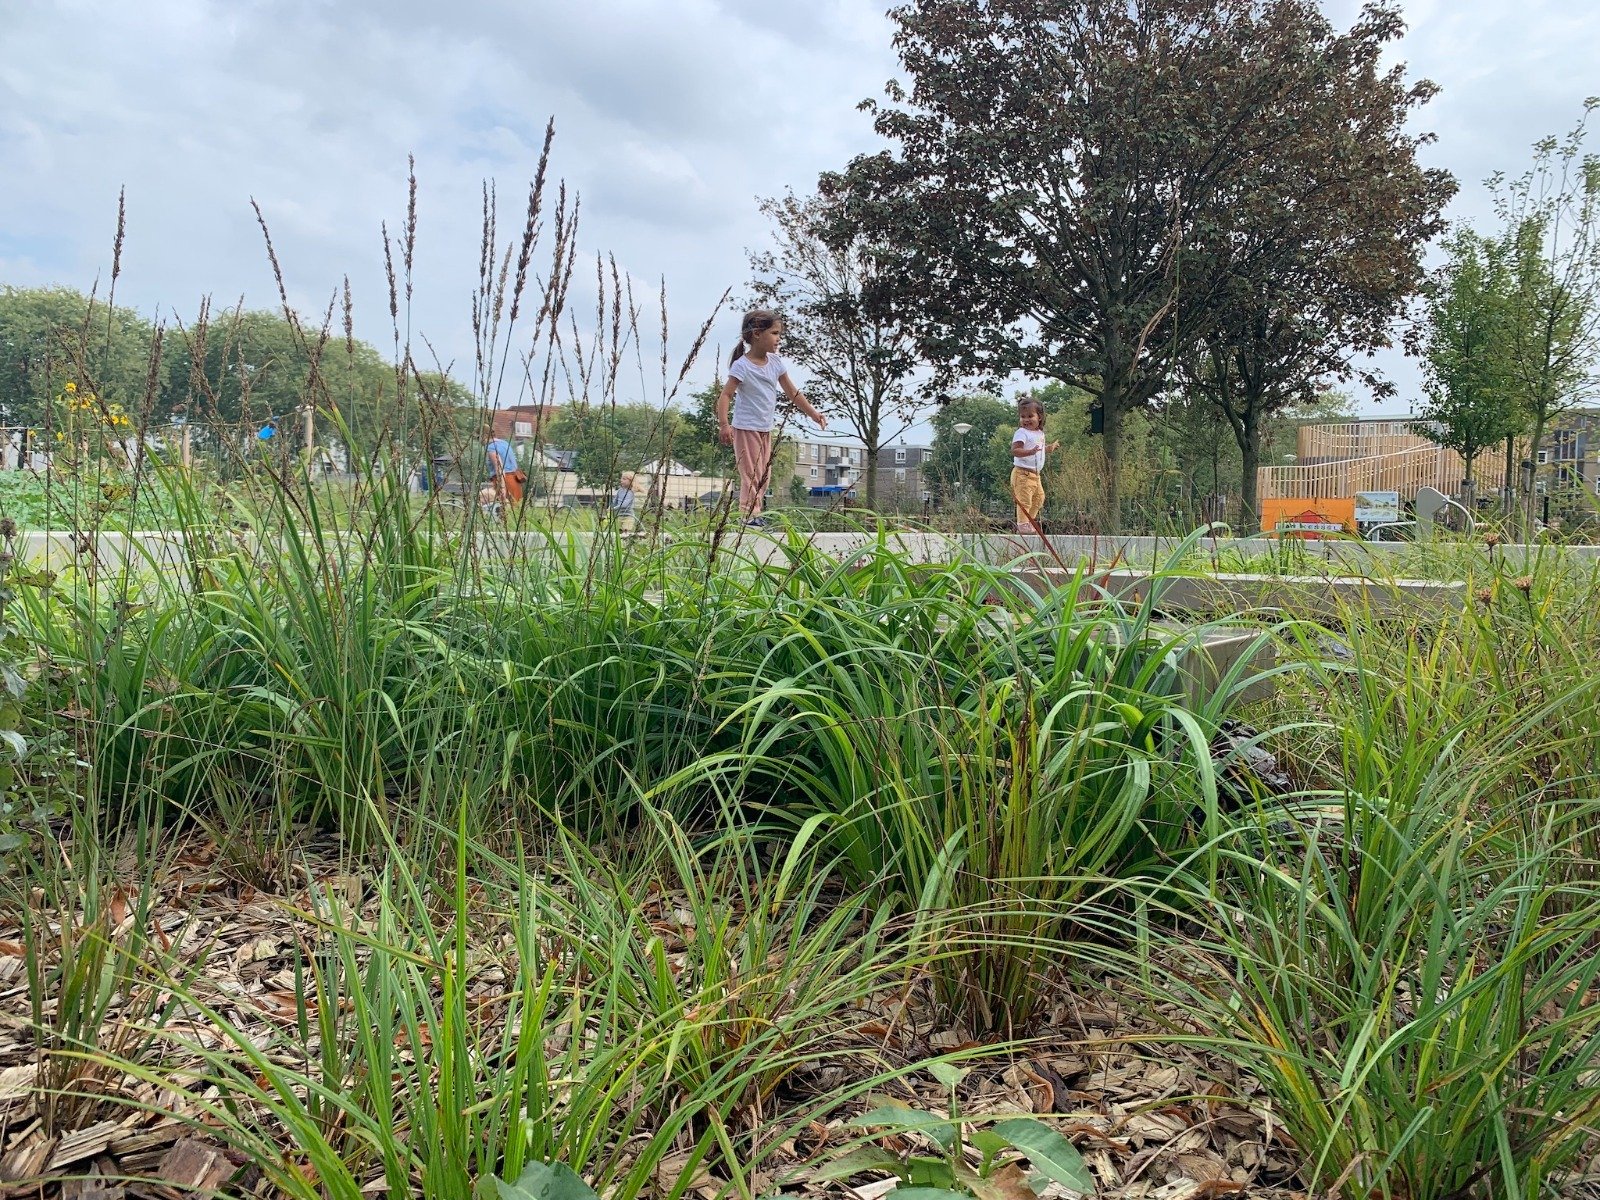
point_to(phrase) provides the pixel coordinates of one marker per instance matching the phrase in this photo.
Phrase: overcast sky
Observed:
(672, 116)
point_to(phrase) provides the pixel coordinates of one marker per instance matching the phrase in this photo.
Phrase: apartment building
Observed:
(900, 484)
(826, 466)
(1568, 459)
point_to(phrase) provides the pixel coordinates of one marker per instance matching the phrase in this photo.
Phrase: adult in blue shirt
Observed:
(500, 464)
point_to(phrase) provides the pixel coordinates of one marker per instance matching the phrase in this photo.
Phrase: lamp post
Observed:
(962, 428)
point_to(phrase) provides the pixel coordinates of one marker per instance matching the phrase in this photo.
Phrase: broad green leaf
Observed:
(1048, 1151)
(899, 1118)
(546, 1181)
(989, 1144)
(927, 1193)
(946, 1074)
(930, 1172)
(862, 1158)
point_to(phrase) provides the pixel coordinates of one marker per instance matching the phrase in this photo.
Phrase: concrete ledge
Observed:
(60, 549)
(1296, 596)
(1207, 655)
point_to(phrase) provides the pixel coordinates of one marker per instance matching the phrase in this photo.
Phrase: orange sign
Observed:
(1292, 516)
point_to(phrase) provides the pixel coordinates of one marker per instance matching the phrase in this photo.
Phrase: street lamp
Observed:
(962, 428)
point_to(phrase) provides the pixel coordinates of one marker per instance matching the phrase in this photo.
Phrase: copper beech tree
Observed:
(1080, 189)
(1331, 233)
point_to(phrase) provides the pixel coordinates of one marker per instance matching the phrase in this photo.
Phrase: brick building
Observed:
(521, 422)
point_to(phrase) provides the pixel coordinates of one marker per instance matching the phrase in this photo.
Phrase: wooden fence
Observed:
(1376, 456)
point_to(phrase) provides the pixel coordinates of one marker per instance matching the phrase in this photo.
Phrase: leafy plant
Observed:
(982, 1160)
(97, 973)
(545, 1181)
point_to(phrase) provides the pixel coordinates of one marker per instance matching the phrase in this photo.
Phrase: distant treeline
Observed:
(226, 372)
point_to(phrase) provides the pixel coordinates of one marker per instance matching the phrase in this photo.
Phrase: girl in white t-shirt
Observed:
(1027, 465)
(755, 377)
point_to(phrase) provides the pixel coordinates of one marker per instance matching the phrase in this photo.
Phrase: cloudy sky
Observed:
(672, 116)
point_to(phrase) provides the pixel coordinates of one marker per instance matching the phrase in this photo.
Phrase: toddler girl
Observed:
(1027, 465)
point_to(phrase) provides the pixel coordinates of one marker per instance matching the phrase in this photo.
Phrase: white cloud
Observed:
(672, 116)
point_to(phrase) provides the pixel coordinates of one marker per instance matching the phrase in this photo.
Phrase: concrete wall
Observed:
(57, 550)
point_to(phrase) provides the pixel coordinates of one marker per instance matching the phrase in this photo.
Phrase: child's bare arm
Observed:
(725, 398)
(798, 399)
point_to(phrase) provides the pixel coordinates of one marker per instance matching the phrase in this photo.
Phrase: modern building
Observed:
(900, 484)
(1568, 461)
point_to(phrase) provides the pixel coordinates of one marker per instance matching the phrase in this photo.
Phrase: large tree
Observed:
(1330, 233)
(970, 469)
(698, 445)
(613, 438)
(858, 361)
(1469, 404)
(1069, 176)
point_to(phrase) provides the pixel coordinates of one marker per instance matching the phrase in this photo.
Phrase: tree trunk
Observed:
(1112, 404)
(1509, 487)
(1250, 457)
(873, 431)
(1537, 436)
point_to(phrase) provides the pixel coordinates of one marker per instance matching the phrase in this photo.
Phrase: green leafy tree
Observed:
(972, 467)
(610, 439)
(1067, 185)
(697, 445)
(1196, 437)
(859, 363)
(1469, 404)
(1551, 235)
(49, 336)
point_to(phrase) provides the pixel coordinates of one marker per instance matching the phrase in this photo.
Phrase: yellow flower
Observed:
(71, 387)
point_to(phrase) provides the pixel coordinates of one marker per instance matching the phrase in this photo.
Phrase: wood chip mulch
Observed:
(1174, 1127)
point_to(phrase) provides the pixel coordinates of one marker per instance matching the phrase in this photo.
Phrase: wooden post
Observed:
(309, 413)
(188, 454)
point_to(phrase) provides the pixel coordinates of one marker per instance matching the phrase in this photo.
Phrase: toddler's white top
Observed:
(1033, 449)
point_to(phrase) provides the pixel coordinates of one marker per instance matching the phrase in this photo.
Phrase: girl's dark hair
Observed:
(1028, 402)
(757, 320)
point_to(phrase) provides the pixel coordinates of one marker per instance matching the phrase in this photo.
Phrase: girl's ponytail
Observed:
(738, 349)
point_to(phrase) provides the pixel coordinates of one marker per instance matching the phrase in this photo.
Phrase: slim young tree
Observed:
(858, 362)
(1469, 407)
(1551, 235)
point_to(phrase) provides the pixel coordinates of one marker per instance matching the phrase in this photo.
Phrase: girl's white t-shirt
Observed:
(1033, 449)
(755, 401)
